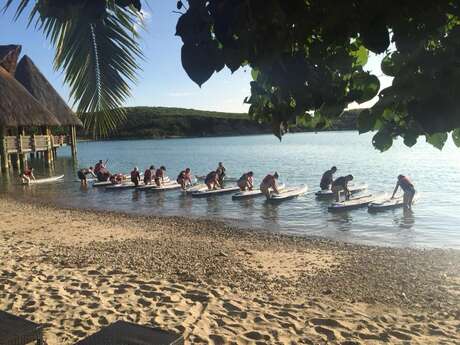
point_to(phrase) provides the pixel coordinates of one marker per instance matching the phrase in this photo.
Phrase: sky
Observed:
(162, 80)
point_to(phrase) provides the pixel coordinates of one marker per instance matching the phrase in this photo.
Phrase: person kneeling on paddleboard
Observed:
(83, 172)
(27, 175)
(327, 179)
(408, 188)
(184, 178)
(268, 182)
(212, 180)
(160, 175)
(246, 181)
(135, 176)
(148, 175)
(341, 184)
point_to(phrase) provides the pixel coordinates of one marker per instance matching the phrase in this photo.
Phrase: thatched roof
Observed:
(35, 82)
(9, 57)
(18, 107)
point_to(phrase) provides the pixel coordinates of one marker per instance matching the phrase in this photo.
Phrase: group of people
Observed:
(340, 184)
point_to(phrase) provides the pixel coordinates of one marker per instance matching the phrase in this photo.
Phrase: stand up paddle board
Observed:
(327, 193)
(195, 188)
(388, 203)
(353, 203)
(226, 179)
(44, 180)
(165, 186)
(288, 193)
(252, 193)
(204, 193)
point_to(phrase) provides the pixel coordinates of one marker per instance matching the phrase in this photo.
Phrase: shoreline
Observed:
(229, 278)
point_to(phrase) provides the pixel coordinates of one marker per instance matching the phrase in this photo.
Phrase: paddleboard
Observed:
(388, 203)
(252, 193)
(165, 186)
(124, 185)
(353, 203)
(44, 180)
(101, 183)
(226, 179)
(327, 193)
(204, 193)
(195, 188)
(288, 193)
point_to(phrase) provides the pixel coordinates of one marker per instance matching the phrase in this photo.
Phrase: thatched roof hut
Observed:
(18, 107)
(35, 82)
(9, 57)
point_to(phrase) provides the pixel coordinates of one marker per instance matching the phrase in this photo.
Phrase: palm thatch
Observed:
(18, 107)
(9, 57)
(28, 74)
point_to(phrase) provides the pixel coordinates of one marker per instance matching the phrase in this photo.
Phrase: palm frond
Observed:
(99, 60)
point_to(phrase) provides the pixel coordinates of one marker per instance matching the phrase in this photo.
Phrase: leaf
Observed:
(179, 5)
(382, 140)
(375, 36)
(410, 138)
(366, 121)
(255, 74)
(361, 55)
(366, 86)
(456, 136)
(437, 140)
(197, 62)
(389, 65)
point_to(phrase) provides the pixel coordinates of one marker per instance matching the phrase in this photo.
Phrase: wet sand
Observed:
(77, 271)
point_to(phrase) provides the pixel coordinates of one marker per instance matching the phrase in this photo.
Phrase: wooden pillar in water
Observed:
(73, 141)
(21, 155)
(50, 142)
(3, 150)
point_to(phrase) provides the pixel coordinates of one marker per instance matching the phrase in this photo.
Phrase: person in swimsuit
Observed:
(269, 182)
(246, 181)
(184, 178)
(135, 176)
(159, 176)
(408, 188)
(148, 175)
(221, 173)
(27, 175)
(212, 180)
(82, 175)
(341, 184)
(327, 179)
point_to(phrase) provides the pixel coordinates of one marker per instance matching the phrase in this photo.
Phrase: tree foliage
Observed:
(96, 45)
(307, 60)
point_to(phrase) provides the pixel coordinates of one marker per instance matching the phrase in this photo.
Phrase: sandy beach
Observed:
(77, 271)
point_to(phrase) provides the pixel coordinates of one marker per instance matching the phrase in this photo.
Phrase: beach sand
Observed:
(77, 271)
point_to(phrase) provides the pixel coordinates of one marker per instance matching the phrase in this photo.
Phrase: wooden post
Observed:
(21, 155)
(50, 143)
(3, 150)
(73, 141)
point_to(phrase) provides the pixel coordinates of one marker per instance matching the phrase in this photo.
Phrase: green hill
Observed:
(163, 122)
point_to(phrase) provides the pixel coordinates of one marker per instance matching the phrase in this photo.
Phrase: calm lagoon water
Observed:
(300, 159)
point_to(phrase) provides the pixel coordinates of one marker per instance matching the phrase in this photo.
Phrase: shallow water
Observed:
(300, 159)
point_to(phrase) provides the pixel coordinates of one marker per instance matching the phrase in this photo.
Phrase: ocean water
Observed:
(299, 159)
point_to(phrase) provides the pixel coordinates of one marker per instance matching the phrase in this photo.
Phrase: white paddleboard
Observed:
(252, 193)
(288, 193)
(204, 193)
(327, 193)
(165, 186)
(353, 203)
(44, 180)
(124, 185)
(226, 179)
(195, 188)
(388, 203)
(101, 183)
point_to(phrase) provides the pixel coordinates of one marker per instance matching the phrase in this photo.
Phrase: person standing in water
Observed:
(246, 181)
(408, 188)
(221, 173)
(341, 184)
(27, 175)
(269, 182)
(82, 175)
(135, 176)
(148, 175)
(160, 176)
(327, 179)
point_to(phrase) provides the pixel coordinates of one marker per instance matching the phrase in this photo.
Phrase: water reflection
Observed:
(343, 220)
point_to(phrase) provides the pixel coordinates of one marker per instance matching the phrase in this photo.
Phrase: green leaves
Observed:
(366, 86)
(437, 140)
(382, 140)
(197, 62)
